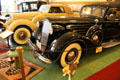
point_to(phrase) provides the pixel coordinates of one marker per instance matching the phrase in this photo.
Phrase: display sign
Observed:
(5, 34)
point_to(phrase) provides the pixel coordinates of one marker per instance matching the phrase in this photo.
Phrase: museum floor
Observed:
(89, 64)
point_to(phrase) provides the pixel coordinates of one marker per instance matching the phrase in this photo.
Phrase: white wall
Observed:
(7, 5)
(10, 6)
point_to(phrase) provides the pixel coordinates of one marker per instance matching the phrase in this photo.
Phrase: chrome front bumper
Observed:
(38, 53)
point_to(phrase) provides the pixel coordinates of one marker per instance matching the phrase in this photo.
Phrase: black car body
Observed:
(65, 38)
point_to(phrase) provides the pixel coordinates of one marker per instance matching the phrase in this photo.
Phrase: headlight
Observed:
(36, 33)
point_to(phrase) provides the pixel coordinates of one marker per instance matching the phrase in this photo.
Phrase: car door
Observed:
(111, 26)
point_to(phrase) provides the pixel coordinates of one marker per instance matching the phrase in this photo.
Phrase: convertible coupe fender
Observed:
(17, 23)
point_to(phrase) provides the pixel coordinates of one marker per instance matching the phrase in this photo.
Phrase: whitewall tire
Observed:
(71, 54)
(21, 35)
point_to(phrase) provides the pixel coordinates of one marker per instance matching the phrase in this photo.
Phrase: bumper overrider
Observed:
(41, 43)
(38, 53)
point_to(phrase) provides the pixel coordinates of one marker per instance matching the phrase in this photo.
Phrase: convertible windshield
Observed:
(93, 11)
(44, 8)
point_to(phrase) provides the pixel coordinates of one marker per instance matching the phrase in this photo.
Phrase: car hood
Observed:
(73, 19)
(25, 15)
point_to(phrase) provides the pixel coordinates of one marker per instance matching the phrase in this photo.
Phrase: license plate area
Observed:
(99, 49)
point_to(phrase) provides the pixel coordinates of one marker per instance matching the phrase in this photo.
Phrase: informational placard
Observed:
(6, 34)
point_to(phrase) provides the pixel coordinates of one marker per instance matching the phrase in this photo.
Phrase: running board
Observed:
(110, 44)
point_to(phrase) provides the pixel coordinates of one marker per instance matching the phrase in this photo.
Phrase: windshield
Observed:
(93, 11)
(44, 8)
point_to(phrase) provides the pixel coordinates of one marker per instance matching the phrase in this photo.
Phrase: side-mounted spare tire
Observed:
(96, 34)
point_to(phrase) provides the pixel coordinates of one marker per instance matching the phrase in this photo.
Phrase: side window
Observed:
(33, 6)
(25, 6)
(97, 12)
(86, 11)
(56, 10)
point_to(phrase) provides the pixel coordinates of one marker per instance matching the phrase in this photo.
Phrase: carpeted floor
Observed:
(89, 64)
(3, 48)
(111, 72)
(9, 72)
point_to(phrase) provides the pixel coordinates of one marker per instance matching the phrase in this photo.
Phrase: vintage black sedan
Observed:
(65, 39)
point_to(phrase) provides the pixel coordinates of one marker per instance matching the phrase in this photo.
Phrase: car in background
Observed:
(65, 39)
(24, 7)
(23, 24)
(31, 5)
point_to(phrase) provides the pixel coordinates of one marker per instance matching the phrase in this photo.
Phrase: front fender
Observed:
(68, 38)
(17, 23)
(59, 44)
(38, 18)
